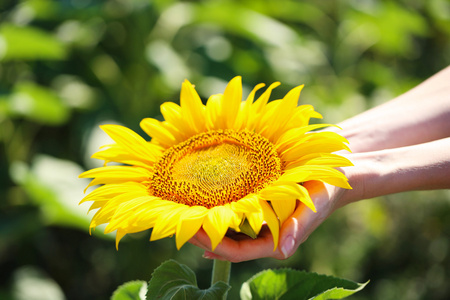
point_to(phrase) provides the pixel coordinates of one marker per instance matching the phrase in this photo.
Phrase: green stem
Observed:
(221, 272)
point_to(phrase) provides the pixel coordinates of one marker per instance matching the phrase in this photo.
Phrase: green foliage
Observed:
(131, 290)
(52, 192)
(29, 43)
(286, 284)
(38, 104)
(66, 66)
(173, 280)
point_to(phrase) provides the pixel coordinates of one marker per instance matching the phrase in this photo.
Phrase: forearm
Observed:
(419, 167)
(418, 116)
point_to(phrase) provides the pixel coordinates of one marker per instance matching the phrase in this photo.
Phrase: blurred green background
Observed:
(67, 66)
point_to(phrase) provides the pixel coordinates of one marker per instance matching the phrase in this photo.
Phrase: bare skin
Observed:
(402, 145)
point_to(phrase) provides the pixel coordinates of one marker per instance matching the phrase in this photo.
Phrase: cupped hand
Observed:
(238, 247)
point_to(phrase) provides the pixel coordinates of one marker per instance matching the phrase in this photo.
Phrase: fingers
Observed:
(201, 240)
(212, 255)
(241, 249)
(289, 233)
(297, 228)
(237, 247)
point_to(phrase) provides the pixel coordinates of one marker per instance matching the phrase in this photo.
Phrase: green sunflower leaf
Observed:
(132, 290)
(285, 284)
(172, 280)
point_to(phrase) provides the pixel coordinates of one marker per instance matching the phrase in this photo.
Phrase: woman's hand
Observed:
(419, 167)
(402, 145)
(237, 247)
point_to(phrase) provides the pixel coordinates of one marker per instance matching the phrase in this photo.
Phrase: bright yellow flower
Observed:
(214, 166)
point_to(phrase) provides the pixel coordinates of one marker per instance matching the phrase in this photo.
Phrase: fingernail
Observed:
(287, 246)
(207, 255)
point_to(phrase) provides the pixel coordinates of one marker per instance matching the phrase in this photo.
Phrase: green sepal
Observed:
(247, 229)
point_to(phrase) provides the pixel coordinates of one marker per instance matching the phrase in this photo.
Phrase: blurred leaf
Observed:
(30, 283)
(29, 43)
(53, 185)
(440, 12)
(245, 22)
(131, 290)
(42, 9)
(285, 284)
(86, 34)
(172, 280)
(4, 109)
(393, 25)
(75, 93)
(39, 104)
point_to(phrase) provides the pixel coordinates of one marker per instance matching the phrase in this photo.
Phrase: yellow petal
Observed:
(272, 222)
(306, 198)
(317, 142)
(148, 214)
(286, 191)
(325, 174)
(303, 114)
(190, 222)
(217, 222)
(106, 192)
(156, 130)
(126, 212)
(119, 235)
(232, 98)
(291, 136)
(192, 108)
(97, 204)
(284, 209)
(213, 118)
(172, 114)
(248, 204)
(245, 109)
(255, 220)
(282, 114)
(105, 214)
(339, 182)
(142, 218)
(167, 222)
(295, 175)
(281, 190)
(321, 159)
(129, 140)
(116, 153)
(178, 133)
(258, 108)
(126, 172)
(261, 102)
(116, 174)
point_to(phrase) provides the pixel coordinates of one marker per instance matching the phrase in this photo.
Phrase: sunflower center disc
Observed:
(215, 168)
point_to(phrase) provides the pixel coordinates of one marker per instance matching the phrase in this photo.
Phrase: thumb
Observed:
(293, 231)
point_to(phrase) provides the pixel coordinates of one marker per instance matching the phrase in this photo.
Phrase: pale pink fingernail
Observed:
(287, 246)
(208, 255)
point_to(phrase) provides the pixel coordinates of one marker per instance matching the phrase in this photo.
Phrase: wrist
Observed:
(365, 176)
(419, 167)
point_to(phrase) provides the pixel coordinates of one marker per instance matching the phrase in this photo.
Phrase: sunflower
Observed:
(214, 166)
